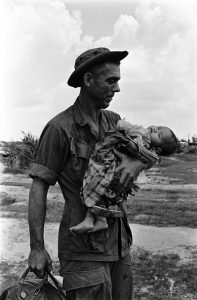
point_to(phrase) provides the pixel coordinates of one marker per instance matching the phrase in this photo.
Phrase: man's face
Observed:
(105, 84)
(159, 134)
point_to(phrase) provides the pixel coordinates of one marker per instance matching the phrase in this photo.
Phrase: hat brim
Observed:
(75, 78)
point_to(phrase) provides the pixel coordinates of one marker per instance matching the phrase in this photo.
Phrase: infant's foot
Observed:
(99, 225)
(81, 228)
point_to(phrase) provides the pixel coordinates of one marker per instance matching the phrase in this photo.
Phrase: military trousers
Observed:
(96, 280)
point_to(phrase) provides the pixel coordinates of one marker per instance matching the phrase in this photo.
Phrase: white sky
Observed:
(40, 40)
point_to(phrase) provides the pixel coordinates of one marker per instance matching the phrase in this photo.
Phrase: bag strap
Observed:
(44, 279)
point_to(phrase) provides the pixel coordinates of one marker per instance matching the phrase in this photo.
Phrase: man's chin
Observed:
(106, 104)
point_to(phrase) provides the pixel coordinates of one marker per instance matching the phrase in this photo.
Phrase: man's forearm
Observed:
(37, 213)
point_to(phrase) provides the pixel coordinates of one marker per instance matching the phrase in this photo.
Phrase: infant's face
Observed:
(158, 134)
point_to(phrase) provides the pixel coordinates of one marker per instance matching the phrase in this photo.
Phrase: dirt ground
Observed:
(167, 197)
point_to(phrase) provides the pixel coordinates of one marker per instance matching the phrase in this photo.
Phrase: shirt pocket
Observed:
(96, 242)
(80, 155)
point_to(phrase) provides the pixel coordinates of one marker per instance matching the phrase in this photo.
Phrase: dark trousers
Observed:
(98, 280)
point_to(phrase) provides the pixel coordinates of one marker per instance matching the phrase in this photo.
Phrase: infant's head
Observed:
(163, 139)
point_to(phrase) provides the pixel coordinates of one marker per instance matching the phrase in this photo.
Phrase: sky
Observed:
(40, 40)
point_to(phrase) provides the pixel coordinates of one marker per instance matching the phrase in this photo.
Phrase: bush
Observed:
(20, 154)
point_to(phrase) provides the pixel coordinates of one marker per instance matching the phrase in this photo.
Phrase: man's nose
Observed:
(116, 88)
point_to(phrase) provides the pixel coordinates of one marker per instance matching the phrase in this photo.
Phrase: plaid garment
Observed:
(143, 153)
(98, 180)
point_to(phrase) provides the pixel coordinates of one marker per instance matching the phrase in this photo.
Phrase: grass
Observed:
(163, 208)
(159, 277)
(183, 168)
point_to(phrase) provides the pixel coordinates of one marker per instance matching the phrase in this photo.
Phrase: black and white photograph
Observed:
(98, 149)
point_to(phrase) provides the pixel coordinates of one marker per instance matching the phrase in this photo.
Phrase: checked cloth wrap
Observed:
(100, 180)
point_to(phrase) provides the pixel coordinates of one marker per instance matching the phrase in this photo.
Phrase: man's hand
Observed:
(38, 261)
(129, 169)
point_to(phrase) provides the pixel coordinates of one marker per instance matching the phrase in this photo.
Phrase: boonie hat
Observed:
(92, 57)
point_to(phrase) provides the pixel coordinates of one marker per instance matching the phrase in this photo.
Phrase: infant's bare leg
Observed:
(100, 223)
(86, 225)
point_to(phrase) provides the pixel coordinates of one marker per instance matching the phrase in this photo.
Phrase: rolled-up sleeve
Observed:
(51, 154)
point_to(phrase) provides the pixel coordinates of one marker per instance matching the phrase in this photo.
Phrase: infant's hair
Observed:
(169, 145)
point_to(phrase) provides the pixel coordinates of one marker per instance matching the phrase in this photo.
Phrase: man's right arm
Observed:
(39, 259)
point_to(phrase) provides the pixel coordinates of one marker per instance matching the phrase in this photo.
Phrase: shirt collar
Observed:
(80, 117)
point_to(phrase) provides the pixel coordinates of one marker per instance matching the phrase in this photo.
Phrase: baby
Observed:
(99, 184)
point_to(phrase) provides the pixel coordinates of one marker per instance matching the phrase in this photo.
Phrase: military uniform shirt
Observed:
(62, 156)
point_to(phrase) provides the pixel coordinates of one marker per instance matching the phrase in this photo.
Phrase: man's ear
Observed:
(88, 79)
(157, 149)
